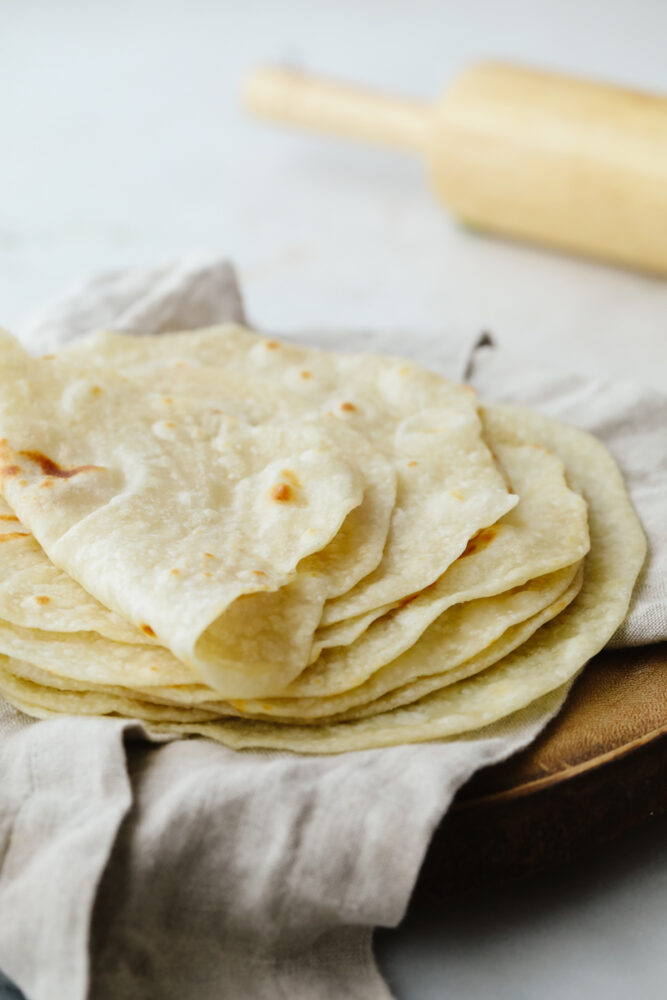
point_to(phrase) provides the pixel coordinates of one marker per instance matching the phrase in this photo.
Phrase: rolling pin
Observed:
(535, 156)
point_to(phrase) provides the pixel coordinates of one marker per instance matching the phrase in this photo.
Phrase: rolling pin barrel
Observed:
(535, 156)
(564, 162)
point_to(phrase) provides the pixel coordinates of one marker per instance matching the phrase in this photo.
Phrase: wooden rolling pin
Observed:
(532, 155)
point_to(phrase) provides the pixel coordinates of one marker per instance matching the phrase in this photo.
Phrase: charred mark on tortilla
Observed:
(281, 492)
(51, 468)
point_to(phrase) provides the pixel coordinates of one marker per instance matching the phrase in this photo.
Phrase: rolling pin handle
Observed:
(324, 106)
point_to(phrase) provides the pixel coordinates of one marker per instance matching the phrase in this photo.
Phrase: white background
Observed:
(122, 142)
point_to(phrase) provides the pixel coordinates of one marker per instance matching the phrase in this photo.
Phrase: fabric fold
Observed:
(263, 875)
(65, 792)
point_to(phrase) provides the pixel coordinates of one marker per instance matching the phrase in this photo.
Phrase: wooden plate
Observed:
(598, 769)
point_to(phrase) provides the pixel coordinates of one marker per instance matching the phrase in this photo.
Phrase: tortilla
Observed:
(425, 683)
(35, 594)
(448, 486)
(545, 662)
(461, 633)
(543, 537)
(169, 526)
(126, 701)
(546, 532)
(37, 699)
(508, 621)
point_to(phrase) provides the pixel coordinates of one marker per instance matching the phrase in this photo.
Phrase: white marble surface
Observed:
(122, 142)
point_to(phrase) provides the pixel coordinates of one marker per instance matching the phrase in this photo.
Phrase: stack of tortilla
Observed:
(277, 546)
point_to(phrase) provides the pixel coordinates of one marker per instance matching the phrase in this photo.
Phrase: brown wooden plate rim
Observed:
(572, 772)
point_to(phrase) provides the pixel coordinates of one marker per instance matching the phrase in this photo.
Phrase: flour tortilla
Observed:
(47, 691)
(528, 562)
(153, 694)
(41, 701)
(35, 594)
(545, 662)
(546, 532)
(93, 659)
(170, 525)
(425, 683)
(448, 486)
(461, 633)
(432, 669)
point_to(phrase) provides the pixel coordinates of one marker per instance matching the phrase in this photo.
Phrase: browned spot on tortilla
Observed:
(169, 423)
(216, 411)
(480, 540)
(51, 468)
(209, 575)
(46, 485)
(148, 630)
(457, 495)
(305, 373)
(281, 492)
(272, 345)
(47, 357)
(291, 477)
(167, 399)
(14, 534)
(348, 407)
(413, 463)
(175, 572)
(259, 572)
(10, 470)
(42, 599)
(8, 517)
(97, 390)
(23, 482)
(209, 555)
(405, 370)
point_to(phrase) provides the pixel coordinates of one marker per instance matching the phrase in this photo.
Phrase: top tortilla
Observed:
(448, 486)
(166, 521)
